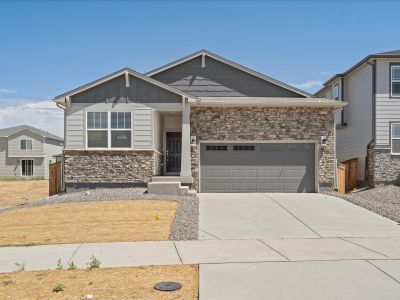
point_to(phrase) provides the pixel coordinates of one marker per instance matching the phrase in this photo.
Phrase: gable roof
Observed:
(117, 74)
(388, 54)
(6, 132)
(232, 64)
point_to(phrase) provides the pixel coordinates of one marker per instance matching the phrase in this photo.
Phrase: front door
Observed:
(173, 157)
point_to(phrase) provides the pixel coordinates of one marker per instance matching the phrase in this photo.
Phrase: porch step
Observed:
(168, 188)
(181, 179)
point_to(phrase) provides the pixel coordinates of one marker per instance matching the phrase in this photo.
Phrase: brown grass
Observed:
(110, 283)
(88, 222)
(18, 192)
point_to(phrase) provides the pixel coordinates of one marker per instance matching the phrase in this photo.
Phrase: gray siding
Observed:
(14, 144)
(115, 91)
(218, 79)
(353, 139)
(387, 109)
(75, 119)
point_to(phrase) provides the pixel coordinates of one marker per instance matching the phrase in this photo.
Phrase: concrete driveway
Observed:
(328, 248)
(265, 216)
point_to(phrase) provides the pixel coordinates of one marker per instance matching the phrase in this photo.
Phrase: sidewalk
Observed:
(200, 252)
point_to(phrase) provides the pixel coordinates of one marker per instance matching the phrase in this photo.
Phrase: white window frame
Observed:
(108, 129)
(393, 138)
(33, 164)
(338, 91)
(24, 139)
(392, 67)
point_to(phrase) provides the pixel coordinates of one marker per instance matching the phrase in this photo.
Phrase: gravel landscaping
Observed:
(184, 227)
(383, 200)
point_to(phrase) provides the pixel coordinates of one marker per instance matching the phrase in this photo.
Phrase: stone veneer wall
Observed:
(99, 166)
(261, 123)
(386, 167)
(195, 166)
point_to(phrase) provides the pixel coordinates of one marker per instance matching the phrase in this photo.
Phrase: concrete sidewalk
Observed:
(200, 252)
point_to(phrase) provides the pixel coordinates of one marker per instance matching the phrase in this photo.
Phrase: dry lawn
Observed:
(112, 283)
(88, 222)
(16, 192)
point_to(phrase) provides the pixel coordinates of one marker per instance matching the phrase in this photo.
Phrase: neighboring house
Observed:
(202, 121)
(369, 127)
(25, 152)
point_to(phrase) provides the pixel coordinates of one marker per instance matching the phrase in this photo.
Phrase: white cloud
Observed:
(41, 114)
(7, 91)
(308, 85)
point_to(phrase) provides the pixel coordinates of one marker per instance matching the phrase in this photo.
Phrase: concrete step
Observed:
(181, 179)
(167, 188)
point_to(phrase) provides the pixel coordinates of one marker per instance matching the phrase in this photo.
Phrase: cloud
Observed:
(308, 85)
(7, 91)
(40, 114)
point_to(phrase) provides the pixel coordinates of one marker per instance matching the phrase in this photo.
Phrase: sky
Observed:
(50, 47)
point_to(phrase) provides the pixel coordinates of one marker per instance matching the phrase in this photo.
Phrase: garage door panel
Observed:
(266, 168)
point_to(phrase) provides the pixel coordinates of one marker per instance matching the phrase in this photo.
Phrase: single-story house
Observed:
(202, 122)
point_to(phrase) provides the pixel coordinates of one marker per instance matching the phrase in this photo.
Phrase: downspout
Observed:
(373, 96)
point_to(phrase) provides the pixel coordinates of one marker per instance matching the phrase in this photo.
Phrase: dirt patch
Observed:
(88, 222)
(109, 283)
(17, 192)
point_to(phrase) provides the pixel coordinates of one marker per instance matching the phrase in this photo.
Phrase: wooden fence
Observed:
(347, 175)
(54, 178)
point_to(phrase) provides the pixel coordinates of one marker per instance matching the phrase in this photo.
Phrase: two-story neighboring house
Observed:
(368, 128)
(25, 152)
(203, 121)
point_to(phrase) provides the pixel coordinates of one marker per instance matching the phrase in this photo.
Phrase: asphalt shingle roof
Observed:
(12, 130)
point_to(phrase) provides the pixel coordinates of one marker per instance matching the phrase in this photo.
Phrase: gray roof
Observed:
(119, 73)
(232, 64)
(395, 52)
(388, 54)
(5, 132)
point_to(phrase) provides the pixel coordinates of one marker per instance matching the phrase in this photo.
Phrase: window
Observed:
(243, 148)
(395, 80)
(97, 138)
(216, 148)
(27, 167)
(395, 138)
(336, 92)
(109, 130)
(25, 144)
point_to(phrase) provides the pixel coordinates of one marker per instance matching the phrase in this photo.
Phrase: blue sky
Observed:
(47, 48)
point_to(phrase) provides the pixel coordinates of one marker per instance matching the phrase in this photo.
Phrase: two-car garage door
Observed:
(258, 167)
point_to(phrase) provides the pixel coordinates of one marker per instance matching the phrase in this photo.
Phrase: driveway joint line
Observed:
(74, 253)
(177, 252)
(292, 214)
(210, 234)
(354, 243)
(387, 274)
(273, 249)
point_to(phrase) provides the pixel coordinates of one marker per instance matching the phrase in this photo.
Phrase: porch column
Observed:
(186, 164)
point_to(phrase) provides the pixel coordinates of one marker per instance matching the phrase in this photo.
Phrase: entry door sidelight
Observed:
(173, 157)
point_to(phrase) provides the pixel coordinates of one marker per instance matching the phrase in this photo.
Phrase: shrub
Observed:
(59, 264)
(59, 287)
(93, 263)
(71, 266)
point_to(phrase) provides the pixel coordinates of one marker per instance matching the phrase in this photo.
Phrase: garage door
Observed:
(256, 167)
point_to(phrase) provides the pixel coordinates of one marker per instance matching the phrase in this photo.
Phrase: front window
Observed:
(26, 144)
(395, 136)
(97, 130)
(27, 167)
(120, 136)
(109, 130)
(395, 80)
(336, 92)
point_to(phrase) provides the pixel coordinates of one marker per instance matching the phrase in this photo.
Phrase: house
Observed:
(26, 152)
(202, 121)
(368, 128)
